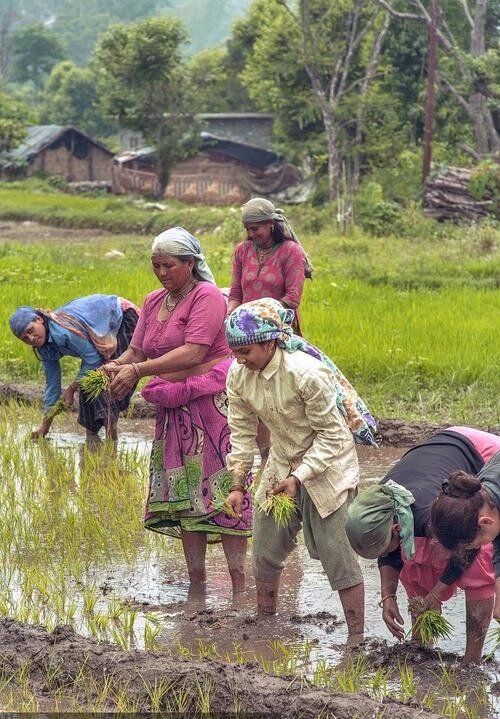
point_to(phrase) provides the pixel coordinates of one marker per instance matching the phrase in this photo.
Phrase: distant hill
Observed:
(80, 23)
(208, 21)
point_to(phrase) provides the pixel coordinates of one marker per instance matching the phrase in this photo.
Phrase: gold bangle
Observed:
(136, 370)
(387, 596)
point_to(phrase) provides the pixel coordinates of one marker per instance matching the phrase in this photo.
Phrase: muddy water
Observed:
(308, 609)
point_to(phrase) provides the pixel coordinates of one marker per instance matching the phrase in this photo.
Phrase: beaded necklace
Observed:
(170, 306)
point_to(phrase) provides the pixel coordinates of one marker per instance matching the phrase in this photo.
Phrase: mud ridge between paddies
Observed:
(392, 432)
(255, 692)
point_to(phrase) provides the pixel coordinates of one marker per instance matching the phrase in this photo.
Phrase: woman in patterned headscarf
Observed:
(180, 344)
(95, 329)
(314, 415)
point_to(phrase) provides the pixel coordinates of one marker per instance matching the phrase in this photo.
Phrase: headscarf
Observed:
(267, 319)
(258, 209)
(21, 318)
(178, 241)
(372, 513)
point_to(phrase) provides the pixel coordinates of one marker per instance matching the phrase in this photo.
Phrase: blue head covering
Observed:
(21, 319)
(178, 241)
(267, 319)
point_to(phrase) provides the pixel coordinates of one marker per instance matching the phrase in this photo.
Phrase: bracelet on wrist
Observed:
(136, 370)
(237, 488)
(387, 596)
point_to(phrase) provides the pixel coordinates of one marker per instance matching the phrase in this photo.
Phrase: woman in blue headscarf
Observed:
(96, 329)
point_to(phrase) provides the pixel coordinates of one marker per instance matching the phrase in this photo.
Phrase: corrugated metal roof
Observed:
(240, 151)
(41, 136)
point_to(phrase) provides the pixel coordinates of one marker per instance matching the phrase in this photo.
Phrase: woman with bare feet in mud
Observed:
(180, 342)
(392, 522)
(271, 262)
(309, 406)
(95, 329)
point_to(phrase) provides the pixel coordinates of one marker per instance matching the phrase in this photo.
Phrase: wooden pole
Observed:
(429, 100)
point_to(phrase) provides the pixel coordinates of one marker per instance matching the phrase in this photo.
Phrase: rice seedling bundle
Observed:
(431, 626)
(94, 383)
(219, 500)
(281, 506)
(57, 408)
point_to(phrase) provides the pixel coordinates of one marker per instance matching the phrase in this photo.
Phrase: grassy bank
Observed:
(410, 319)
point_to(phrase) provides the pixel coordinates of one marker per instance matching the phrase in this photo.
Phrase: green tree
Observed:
(71, 98)
(14, 119)
(143, 86)
(215, 85)
(35, 50)
(467, 35)
(326, 53)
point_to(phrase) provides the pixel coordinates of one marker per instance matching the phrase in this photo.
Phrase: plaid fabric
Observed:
(94, 414)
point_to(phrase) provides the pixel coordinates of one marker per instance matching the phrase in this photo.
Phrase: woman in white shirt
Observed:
(314, 415)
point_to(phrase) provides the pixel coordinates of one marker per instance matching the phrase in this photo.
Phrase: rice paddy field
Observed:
(412, 320)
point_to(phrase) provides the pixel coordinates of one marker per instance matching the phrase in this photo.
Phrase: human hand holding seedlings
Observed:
(68, 394)
(235, 499)
(432, 600)
(43, 430)
(124, 380)
(288, 486)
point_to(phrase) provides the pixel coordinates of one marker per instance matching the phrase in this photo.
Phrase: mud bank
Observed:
(241, 689)
(392, 432)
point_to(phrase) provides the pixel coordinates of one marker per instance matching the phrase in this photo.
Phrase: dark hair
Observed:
(44, 317)
(455, 513)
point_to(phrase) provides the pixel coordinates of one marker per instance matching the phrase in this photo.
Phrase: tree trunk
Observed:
(486, 140)
(333, 156)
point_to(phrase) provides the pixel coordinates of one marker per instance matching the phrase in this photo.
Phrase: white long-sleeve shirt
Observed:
(295, 398)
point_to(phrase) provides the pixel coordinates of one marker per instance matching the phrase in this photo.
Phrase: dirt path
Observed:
(65, 660)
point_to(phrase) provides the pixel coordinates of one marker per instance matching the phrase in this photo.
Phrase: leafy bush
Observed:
(485, 184)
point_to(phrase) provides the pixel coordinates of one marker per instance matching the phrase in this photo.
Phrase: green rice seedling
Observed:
(57, 408)
(207, 651)
(157, 692)
(219, 500)
(94, 383)
(379, 683)
(205, 693)
(408, 684)
(430, 626)
(151, 632)
(352, 677)
(322, 676)
(281, 506)
(184, 651)
(181, 699)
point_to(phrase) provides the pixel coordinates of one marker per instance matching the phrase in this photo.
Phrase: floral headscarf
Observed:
(266, 319)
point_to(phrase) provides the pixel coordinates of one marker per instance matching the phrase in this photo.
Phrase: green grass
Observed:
(409, 319)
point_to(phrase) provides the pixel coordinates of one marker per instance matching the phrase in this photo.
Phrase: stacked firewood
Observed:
(447, 197)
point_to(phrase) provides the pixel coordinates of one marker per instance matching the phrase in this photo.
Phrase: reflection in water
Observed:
(158, 582)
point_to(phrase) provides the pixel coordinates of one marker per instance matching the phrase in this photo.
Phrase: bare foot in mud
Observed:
(354, 640)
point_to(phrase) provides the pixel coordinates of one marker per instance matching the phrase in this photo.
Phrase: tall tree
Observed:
(71, 98)
(463, 33)
(142, 82)
(14, 119)
(35, 50)
(337, 46)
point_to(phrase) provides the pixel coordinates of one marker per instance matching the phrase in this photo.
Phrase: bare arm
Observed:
(181, 358)
(389, 579)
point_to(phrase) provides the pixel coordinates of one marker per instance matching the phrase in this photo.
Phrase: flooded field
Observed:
(129, 587)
